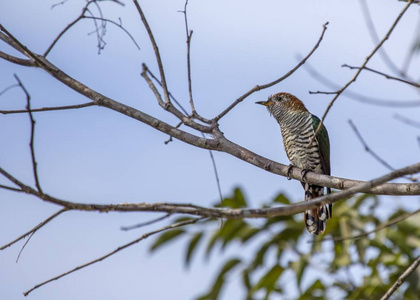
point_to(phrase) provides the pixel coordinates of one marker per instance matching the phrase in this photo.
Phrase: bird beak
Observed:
(265, 103)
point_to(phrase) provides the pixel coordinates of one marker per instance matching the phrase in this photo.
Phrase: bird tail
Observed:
(316, 218)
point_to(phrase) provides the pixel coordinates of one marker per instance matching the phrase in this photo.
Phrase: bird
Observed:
(298, 127)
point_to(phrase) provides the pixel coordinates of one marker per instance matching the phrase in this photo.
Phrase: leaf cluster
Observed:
(276, 256)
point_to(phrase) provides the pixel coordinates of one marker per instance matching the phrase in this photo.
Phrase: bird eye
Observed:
(278, 97)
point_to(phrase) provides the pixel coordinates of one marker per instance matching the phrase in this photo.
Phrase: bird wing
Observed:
(323, 144)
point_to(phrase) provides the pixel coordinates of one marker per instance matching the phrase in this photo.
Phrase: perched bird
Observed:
(298, 127)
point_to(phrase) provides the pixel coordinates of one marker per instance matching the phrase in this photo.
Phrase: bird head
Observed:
(283, 103)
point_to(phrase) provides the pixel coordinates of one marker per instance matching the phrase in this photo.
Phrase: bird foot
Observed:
(304, 172)
(289, 169)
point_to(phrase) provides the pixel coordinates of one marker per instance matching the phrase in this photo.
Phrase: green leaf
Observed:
(166, 237)
(248, 233)
(299, 267)
(236, 201)
(269, 280)
(315, 291)
(220, 280)
(281, 198)
(192, 246)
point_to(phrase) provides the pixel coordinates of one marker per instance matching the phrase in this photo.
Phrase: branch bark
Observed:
(401, 279)
(191, 209)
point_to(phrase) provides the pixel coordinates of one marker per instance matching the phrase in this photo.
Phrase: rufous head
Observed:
(283, 101)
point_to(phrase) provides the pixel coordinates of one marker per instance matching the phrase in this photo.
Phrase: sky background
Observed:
(97, 155)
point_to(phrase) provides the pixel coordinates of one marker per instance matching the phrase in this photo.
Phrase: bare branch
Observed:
(189, 34)
(68, 107)
(169, 107)
(116, 24)
(264, 86)
(220, 143)
(411, 268)
(365, 187)
(373, 153)
(156, 50)
(415, 84)
(6, 187)
(126, 228)
(144, 236)
(14, 59)
(339, 92)
(356, 96)
(8, 89)
(64, 31)
(31, 143)
(33, 230)
(407, 121)
(374, 35)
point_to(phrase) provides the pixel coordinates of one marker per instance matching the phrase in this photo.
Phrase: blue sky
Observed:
(96, 155)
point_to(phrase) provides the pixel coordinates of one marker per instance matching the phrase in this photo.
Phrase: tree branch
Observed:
(411, 268)
(144, 236)
(373, 153)
(156, 50)
(33, 230)
(32, 138)
(340, 91)
(366, 187)
(356, 96)
(76, 106)
(264, 86)
(220, 143)
(415, 84)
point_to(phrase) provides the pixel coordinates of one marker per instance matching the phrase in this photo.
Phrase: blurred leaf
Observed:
(220, 280)
(192, 246)
(281, 198)
(269, 280)
(299, 266)
(166, 237)
(236, 201)
(315, 291)
(248, 233)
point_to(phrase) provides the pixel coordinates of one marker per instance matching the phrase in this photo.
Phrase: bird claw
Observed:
(304, 172)
(289, 169)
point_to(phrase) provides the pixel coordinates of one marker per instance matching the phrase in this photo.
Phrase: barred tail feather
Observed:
(316, 218)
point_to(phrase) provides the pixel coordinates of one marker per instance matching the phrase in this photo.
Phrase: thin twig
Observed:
(373, 153)
(170, 94)
(156, 50)
(367, 148)
(375, 37)
(411, 268)
(353, 95)
(339, 92)
(415, 84)
(6, 187)
(376, 229)
(126, 228)
(116, 24)
(63, 32)
(144, 236)
(54, 108)
(8, 88)
(33, 230)
(264, 86)
(189, 34)
(32, 139)
(407, 121)
(216, 173)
